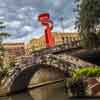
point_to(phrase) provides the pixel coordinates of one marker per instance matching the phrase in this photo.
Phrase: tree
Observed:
(2, 36)
(87, 19)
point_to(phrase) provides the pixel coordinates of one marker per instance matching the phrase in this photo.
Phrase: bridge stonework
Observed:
(64, 62)
(60, 61)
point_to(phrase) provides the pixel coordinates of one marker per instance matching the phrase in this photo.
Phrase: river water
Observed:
(48, 92)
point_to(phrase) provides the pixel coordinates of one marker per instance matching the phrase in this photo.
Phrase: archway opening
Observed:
(35, 75)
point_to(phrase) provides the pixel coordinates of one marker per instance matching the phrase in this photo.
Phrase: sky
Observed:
(20, 17)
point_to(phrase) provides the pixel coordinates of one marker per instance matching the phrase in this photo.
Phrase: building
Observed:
(60, 38)
(14, 49)
(35, 44)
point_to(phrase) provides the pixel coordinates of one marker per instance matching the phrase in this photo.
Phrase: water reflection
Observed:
(49, 92)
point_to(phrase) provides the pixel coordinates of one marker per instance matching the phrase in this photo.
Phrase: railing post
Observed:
(67, 42)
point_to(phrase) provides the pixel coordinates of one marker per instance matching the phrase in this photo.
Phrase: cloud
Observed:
(14, 24)
(2, 17)
(71, 29)
(27, 28)
(15, 40)
(2, 3)
(1, 12)
(21, 16)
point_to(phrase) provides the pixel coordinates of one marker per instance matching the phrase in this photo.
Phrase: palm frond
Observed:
(4, 34)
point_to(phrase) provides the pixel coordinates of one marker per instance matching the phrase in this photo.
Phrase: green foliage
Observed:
(87, 72)
(2, 50)
(4, 72)
(91, 41)
(75, 87)
(7, 67)
(98, 34)
(2, 25)
(87, 15)
(87, 19)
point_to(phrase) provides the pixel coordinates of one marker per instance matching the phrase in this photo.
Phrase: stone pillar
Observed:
(67, 42)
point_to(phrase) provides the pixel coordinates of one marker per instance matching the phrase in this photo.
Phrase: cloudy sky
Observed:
(20, 17)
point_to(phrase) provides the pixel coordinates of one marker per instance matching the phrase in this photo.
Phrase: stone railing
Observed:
(60, 47)
(54, 60)
(75, 60)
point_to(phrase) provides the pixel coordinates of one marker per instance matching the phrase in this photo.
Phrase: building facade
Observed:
(60, 38)
(14, 49)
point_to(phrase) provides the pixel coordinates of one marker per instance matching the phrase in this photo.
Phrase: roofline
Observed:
(14, 43)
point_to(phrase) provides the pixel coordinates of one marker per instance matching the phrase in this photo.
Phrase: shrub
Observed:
(75, 87)
(88, 72)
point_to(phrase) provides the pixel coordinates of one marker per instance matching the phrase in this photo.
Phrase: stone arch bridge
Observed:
(62, 64)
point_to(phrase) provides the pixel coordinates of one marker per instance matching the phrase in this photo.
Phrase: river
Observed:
(48, 92)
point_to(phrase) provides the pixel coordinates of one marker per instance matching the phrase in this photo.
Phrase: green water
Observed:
(48, 92)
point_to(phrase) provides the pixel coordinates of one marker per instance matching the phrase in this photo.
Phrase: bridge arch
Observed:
(34, 75)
